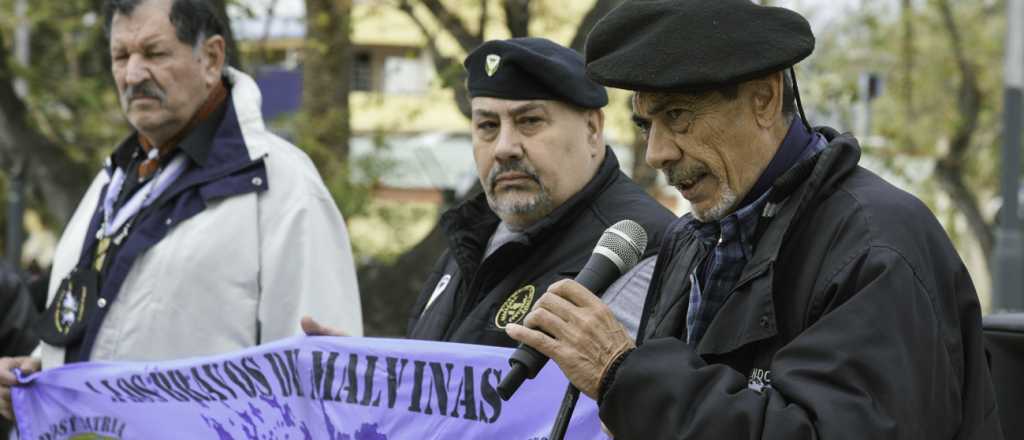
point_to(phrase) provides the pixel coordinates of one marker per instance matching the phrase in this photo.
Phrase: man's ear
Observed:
(595, 130)
(765, 95)
(213, 52)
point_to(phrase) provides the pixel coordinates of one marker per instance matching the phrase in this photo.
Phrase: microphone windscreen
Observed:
(623, 243)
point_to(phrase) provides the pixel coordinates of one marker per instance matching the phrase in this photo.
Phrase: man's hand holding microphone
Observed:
(574, 328)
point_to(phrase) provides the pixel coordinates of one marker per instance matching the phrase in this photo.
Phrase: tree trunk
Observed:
(326, 73)
(517, 17)
(47, 166)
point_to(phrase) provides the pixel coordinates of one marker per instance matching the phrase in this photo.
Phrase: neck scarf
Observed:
(156, 154)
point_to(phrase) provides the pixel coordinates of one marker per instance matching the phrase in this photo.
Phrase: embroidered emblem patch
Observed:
(491, 64)
(515, 307)
(71, 309)
(760, 380)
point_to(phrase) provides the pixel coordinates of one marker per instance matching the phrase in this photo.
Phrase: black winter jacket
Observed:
(17, 314)
(478, 298)
(854, 319)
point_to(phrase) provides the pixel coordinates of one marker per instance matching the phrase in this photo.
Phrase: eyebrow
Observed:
(526, 108)
(658, 104)
(484, 113)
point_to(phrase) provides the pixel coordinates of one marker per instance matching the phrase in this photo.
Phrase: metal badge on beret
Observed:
(492, 64)
(531, 68)
(694, 45)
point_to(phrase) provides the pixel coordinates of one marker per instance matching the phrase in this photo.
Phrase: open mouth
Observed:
(690, 182)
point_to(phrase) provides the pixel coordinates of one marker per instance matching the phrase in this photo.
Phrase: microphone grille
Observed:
(627, 240)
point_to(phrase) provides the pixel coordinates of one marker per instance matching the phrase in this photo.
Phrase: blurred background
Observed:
(373, 91)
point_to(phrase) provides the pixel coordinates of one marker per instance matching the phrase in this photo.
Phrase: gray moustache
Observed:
(676, 177)
(518, 167)
(143, 90)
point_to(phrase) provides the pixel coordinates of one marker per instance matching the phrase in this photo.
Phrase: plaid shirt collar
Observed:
(736, 229)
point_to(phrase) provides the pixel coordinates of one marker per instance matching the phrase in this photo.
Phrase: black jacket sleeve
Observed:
(17, 315)
(878, 363)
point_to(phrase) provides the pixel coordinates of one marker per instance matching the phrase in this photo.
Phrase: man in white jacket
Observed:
(204, 232)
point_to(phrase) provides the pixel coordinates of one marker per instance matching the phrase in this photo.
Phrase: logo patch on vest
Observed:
(515, 307)
(70, 308)
(760, 380)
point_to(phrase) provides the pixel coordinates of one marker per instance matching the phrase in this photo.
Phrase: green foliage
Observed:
(872, 40)
(71, 96)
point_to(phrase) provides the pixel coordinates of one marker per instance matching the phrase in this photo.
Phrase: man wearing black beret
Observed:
(551, 187)
(803, 297)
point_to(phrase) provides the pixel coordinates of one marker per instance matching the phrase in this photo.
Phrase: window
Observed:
(362, 72)
(404, 75)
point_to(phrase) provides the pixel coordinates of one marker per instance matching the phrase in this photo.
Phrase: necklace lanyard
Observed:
(162, 179)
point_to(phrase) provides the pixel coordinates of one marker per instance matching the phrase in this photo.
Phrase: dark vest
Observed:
(478, 296)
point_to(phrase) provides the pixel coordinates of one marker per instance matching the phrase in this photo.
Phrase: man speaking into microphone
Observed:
(803, 297)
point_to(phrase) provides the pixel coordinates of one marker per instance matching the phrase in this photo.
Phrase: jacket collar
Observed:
(196, 145)
(802, 186)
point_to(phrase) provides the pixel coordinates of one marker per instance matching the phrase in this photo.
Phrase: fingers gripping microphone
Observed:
(618, 250)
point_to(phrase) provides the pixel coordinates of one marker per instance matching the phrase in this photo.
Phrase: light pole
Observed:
(1007, 286)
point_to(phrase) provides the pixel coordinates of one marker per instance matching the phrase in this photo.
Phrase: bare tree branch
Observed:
(595, 14)
(517, 17)
(952, 183)
(449, 70)
(452, 23)
(482, 25)
(969, 94)
(949, 169)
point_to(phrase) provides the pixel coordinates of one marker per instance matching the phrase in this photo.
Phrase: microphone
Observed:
(618, 250)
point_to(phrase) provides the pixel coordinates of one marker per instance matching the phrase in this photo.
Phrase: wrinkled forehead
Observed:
(647, 104)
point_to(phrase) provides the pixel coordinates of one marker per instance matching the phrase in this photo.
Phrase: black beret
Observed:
(694, 45)
(531, 68)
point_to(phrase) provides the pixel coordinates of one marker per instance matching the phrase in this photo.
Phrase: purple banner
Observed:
(301, 388)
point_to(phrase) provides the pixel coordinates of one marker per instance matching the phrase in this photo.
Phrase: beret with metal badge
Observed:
(694, 45)
(531, 68)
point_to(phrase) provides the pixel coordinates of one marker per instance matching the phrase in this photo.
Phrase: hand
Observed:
(313, 328)
(584, 335)
(27, 365)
